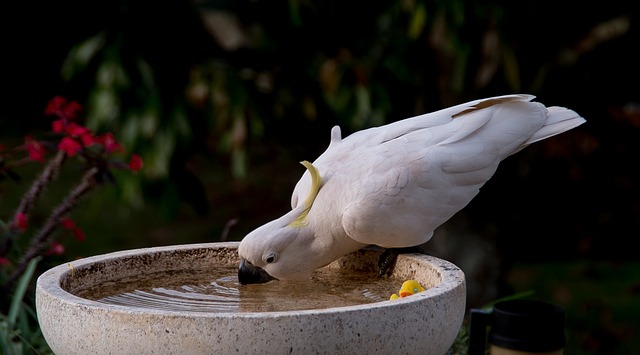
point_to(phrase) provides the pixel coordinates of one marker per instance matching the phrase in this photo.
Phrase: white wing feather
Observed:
(393, 185)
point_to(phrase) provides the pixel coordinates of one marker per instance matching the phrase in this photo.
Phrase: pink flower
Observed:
(35, 149)
(76, 130)
(135, 164)
(4, 262)
(83, 133)
(79, 234)
(59, 106)
(55, 106)
(88, 139)
(67, 223)
(70, 146)
(55, 249)
(71, 110)
(21, 222)
(57, 126)
(109, 142)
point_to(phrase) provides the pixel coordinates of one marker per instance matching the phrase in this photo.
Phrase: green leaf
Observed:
(131, 191)
(363, 106)
(146, 73)
(105, 106)
(149, 121)
(80, 55)
(294, 13)
(21, 289)
(159, 154)
(239, 163)
(418, 20)
(180, 123)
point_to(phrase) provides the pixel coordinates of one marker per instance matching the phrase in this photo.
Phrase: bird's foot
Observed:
(389, 256)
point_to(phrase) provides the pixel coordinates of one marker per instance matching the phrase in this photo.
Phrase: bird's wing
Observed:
(364, 141)
(392, 186)
(402, 204)
(417, 181)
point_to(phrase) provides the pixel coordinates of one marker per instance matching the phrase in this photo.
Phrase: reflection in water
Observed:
(219, 291)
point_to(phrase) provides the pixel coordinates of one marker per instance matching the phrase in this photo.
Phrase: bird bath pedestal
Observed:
(424, 323)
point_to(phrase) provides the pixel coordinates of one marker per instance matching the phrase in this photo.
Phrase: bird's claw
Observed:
(389, 256)
(387, 262)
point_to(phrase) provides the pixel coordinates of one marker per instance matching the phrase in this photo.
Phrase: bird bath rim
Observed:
(51, 281)
(75, 325)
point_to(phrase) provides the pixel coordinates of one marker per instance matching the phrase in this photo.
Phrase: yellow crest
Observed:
(316, 181)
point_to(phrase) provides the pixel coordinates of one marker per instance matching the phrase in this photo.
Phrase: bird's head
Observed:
(277, 252)
(283, 249)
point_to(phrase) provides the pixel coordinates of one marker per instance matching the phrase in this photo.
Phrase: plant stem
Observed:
(29, 199)
(42, 240)
(48, 174)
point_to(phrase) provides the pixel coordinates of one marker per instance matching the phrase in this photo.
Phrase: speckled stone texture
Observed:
(425, 323)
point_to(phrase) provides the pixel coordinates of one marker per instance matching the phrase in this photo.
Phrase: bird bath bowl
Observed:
(424, 323)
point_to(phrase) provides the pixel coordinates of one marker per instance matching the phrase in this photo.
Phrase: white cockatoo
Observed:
(393, 185)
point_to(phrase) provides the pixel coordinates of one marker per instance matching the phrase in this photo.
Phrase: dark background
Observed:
(224, 98)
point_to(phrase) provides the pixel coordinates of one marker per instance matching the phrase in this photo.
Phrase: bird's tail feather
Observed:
(559, 119)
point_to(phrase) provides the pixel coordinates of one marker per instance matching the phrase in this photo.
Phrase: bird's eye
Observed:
(415, 290)
(269, 258)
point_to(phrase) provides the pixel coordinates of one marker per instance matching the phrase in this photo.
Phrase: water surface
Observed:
(219, 291)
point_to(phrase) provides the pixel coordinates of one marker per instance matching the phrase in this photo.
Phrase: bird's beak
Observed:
(249, 274)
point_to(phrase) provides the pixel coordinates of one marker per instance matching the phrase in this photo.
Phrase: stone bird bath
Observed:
(424, 323)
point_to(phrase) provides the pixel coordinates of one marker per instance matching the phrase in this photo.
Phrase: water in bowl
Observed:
(219, 291)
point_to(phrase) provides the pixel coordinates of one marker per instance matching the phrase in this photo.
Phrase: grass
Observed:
(19, 332)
